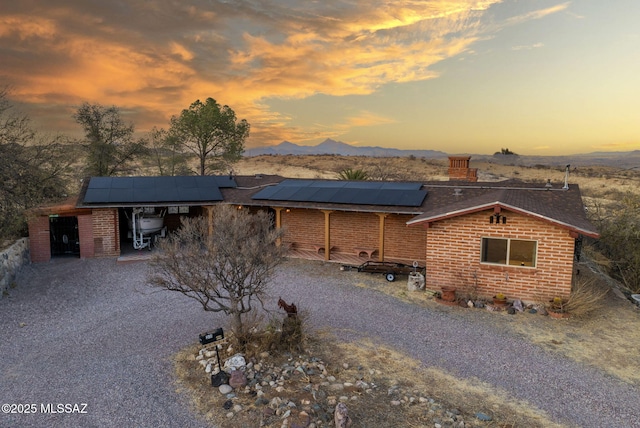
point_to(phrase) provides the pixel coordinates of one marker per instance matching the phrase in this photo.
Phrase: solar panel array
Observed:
(140, 190)
(345, 192)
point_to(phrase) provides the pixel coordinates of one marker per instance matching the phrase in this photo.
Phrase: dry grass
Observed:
(381, 366)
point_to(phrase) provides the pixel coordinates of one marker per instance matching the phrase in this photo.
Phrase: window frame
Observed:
(508, 252)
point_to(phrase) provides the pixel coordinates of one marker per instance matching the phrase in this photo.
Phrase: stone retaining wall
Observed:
(11, 261)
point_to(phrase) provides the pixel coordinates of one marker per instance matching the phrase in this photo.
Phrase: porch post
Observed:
(209, 209)
(381, 236)
(278, 211)
(327, 235)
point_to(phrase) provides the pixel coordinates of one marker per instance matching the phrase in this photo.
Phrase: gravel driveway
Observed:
(92, 332)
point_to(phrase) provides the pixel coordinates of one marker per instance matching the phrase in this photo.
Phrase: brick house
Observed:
(520, 239)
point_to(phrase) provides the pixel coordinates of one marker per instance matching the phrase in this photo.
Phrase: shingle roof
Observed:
(443, 199)
(556, 205)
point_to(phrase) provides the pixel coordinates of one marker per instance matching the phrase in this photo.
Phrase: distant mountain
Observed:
(331, 147)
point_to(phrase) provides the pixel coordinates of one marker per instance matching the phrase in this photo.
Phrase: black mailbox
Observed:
(214, 336)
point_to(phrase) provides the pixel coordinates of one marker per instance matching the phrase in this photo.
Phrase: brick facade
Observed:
(304, 228)
(39, 239)
(106, 236)
(85, 233)
(453, 252)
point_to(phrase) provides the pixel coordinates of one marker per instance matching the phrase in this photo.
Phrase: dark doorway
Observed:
(64, 236)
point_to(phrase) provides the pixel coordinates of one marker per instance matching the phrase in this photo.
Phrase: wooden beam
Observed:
(278, 211)
(381, 235)
(327, 235)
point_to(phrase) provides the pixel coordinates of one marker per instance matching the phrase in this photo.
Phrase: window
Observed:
(512, 252)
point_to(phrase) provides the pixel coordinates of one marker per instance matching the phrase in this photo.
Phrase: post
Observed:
(381, 236)
(327, 235)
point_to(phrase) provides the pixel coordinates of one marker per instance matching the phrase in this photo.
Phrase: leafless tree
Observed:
(227, 270)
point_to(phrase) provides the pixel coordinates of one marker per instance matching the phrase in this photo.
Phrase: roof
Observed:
(560, 206)
(426, 202)
(136, 191)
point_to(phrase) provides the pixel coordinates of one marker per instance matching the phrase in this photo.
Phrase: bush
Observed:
(586, 296)
(620, 239)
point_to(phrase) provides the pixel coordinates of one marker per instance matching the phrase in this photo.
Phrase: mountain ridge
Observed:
(626, 159)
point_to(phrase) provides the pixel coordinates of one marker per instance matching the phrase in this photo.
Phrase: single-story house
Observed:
(521, 239)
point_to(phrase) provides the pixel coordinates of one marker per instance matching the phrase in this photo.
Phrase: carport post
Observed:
(381, 236)
(327, 234)
(278, 211)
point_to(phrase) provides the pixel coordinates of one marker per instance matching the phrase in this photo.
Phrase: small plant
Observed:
(500, 296)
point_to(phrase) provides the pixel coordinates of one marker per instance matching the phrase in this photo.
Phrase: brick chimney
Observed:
(459, 169)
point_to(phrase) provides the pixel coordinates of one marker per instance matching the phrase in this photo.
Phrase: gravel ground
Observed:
(91, 331)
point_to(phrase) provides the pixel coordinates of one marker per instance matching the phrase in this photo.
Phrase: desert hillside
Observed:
(599, 182)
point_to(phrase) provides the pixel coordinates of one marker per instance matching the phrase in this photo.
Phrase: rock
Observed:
(341, 416)
(511, 311)
(225, 389)
(395, 402)
(517, 304)
(470, 304)
(478, 304)
(483, 417)
(237, 379)
(237, 408)
(236, 362)
(227, 405)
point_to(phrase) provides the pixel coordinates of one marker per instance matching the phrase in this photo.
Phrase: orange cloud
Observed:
(154, 60)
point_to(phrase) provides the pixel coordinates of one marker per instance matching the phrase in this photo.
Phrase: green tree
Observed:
(505, 152)
(166, 153)
(33, 168)
(353, 174)
(227, 270)
(212, 133)
(109, 141)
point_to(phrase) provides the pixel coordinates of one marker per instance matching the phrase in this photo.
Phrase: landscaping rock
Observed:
(341, 416)
(225, 389)
(237, 379)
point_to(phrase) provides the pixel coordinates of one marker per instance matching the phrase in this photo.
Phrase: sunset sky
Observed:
(541, 77)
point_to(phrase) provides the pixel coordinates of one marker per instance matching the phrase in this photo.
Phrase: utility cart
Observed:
(389, 269)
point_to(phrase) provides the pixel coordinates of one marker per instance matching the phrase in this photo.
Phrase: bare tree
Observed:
(227, 270)
(33, 168)
(108, 141)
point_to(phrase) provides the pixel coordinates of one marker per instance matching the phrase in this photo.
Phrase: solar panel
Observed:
(346, 192)
(139, 190)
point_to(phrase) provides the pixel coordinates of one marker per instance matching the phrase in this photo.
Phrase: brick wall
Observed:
(348, 230)
(453, 257)
(106, 238)
(352, 229)
(403, 242)
(85, 232)
(303, 227)
(39, 240)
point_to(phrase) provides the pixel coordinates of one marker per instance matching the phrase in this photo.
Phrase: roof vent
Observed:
(548, 185)
(457, 192)
(258, 176)
(566, 178)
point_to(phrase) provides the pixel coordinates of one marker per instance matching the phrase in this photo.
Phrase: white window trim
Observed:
(506, 263)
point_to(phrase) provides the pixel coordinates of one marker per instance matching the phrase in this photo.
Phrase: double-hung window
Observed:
(507, 251)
